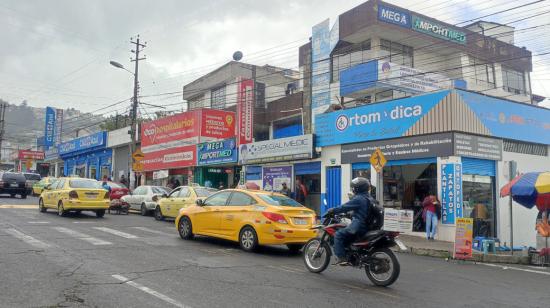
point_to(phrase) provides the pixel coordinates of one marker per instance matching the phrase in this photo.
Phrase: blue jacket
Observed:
(360, 205)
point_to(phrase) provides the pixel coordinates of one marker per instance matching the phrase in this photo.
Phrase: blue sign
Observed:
(373, 122)
(451, 192)
(83, 143)
(359, 77)
(394, 16)
(217, 152)
(508, 119)
(253, 173)
(49, 129)
(51, 154)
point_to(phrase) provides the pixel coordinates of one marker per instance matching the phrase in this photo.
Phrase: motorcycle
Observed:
(372, 251)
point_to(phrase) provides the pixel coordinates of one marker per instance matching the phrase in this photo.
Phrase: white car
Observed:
(144, 198)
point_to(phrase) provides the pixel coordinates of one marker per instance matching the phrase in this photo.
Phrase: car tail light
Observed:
(73, 194)
(275, 217)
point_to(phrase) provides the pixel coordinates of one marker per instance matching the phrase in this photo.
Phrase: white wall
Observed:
(524, 219)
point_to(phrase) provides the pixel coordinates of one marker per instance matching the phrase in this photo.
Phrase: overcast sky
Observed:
(56, 53)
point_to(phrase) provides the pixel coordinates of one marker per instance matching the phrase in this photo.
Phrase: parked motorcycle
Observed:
(372, 251)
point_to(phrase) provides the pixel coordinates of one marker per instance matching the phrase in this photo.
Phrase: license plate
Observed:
(14, 185)
(400, 244)
(300, 221)
(90, 196)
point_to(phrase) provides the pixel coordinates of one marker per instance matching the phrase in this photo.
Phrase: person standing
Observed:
(123, 180)
(430, 205)
(300, 192)
(285, 190)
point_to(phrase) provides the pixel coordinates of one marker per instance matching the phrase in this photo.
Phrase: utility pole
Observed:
(133, 126)
(2, 125)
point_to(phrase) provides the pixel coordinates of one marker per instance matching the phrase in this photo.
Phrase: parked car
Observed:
(32, 178)
(183, 196)
(251, 218)
(13, 183)
(74, 194)
(142, 198)
(39, 186)
(117, 191)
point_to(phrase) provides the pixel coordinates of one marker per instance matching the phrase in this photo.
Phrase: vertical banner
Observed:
(58, 125)
(49, 128)
(463, 238)
(451, 192)
(245, 111)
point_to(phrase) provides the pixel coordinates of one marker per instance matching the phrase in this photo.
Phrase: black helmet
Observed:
(360, 185)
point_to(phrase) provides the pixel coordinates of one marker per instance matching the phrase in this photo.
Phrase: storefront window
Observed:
(479, 204)
(93, 172)
(80, 171)
(104, 171)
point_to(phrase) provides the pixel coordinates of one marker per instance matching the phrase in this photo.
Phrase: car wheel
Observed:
(158, 214)
(248, 239)
(144, 210)
(61, 210)
(185, 228)
(99, 213)
(294, 248)
(41, 206)
(23, 196)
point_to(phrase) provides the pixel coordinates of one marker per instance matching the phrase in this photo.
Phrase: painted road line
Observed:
(38, 222)
(149, 291)
(504, 267)
(116, 232)
(26, 238)
(151, 230)
(81, 236)
(25, 206)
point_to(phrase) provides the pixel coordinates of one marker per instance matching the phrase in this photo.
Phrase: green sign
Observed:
(438, 30)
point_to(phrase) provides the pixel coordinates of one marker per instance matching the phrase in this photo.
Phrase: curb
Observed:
(476, 257)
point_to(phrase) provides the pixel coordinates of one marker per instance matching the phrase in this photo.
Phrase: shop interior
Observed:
(479, 203)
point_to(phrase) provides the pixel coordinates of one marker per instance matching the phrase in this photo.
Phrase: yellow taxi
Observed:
(183, 196)
(38, 187)
(74, 194)
(249, 217)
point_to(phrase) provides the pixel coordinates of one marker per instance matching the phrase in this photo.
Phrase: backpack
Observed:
(375, 221)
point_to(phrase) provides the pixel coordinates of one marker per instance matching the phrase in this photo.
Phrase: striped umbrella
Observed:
(530, 189)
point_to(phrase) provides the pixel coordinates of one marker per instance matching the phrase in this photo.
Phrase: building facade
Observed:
(87, 156)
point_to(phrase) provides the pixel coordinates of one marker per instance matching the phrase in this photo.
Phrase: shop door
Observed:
(333, 189)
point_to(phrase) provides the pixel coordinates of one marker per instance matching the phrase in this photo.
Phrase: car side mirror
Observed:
(164, 196)
(199, 202)
(48, 187)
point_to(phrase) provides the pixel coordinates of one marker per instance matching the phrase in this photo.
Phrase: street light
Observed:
(118, 65)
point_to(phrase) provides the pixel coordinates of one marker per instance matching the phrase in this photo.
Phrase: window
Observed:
(349, 56)
(513, 81)
(142, 190)
(53, 185)
(525, 148)
(218, 199)
(279, 200)
(239, 198)
(405, 186)
(204, 192)
(184, 192)
(82, 183)
(478, 199)
(160, 190)
(61, 184)
(397, 53)
(260, 95)
(217, 98)
(174, 193)
(483, 73)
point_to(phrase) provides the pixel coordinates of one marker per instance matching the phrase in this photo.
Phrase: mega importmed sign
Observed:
(438, 30)
(217, 152)
(284, 149)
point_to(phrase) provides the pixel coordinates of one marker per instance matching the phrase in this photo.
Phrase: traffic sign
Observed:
(138, 155)
(377, 160)
(137, 166)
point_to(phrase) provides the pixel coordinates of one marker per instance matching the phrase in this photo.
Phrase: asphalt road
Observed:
(134, 261)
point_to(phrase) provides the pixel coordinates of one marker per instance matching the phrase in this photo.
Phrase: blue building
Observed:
(87, 156)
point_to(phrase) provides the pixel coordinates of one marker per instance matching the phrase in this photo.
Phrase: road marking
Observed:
(150, 230)
(514, 268)
(26, 238)
(81, 236)
(149, 291)
(116, 232)
(25, 206)
(38, 222)
(83, 222)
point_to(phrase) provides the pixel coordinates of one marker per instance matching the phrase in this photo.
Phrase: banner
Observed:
(274, 177)
(170, 158)
(284, 149)
(217, 152)
(171, 132)
(463, 238)
(451, 192)
(83, 143)
(28, 154)
(49, 128)
(58, 126)
(398, 220)
(245, 111)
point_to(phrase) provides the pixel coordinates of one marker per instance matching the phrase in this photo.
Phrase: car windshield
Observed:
(160, 190)
(114, 185)
(82, 183)
(279, 200)
(204, 192)
(10, 176)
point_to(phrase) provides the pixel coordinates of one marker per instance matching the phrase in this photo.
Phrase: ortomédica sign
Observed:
(284, 149)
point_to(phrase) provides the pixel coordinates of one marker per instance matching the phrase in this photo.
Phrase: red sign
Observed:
(27, 154)
(179, 157)
(245, 111)
(170, 132)
(217, 124)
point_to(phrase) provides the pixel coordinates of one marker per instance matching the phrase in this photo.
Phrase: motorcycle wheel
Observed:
(319, 262)
(384, 267)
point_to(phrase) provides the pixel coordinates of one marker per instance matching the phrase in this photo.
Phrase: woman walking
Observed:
(430, 214)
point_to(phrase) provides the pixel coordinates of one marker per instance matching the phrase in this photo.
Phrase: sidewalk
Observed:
(440, 249)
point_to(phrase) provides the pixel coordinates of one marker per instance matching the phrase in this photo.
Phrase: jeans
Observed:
(431, 224)
(344, 237)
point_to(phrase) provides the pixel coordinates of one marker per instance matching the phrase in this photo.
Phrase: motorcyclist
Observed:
(359, 204)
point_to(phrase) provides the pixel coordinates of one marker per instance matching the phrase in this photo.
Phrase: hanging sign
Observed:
(451, 192)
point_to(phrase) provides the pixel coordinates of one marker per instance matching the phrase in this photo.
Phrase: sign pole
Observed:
(512, 171)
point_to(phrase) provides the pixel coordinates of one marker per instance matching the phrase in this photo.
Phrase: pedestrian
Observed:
(285, 190)
(123, 180)
(300, 192)
(431, 206)
(208, 183)
(176, 183)
(221, 186)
